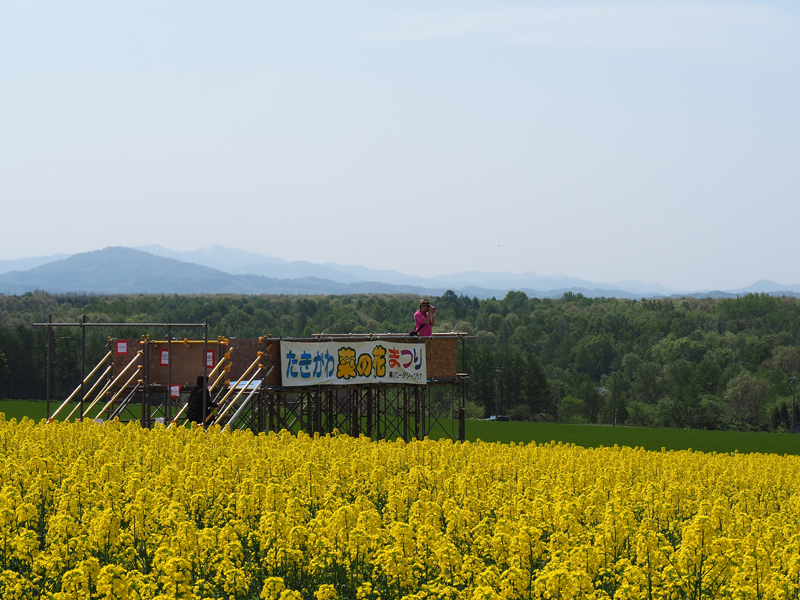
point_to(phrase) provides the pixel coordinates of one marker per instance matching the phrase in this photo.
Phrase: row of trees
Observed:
(683, 363)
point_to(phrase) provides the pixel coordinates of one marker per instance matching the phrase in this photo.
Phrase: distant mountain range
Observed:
(219, 270)
(22, 264)
(129, 271)
(241, 262)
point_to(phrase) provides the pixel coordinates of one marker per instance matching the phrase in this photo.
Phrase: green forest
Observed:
(689, 363)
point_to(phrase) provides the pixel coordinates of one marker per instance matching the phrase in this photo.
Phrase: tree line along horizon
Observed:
(690, 363)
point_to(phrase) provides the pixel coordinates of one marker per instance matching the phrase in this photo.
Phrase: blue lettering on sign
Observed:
(305, 365)
(291, 361)
(417, 359)
(324, 365)
(318, 365)
(330, 364)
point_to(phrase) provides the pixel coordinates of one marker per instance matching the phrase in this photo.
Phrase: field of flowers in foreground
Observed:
(111, 511)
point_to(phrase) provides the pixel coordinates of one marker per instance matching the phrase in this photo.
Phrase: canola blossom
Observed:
(117, 511)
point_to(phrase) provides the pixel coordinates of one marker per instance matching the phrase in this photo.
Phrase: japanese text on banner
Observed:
(346, 362)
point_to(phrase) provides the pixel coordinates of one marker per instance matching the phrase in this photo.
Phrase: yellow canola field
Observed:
(113, 511)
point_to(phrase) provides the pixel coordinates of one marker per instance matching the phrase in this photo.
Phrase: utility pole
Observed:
(497, 371)
(793, 381)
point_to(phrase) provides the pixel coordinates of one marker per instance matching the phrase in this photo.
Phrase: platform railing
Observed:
(122, 388)
(224, 402)
(109, 385)
(77, 390)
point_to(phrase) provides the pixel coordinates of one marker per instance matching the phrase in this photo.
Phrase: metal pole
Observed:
(462, 410)
(49, 361)
(462, 414)
(83, 360)
(406, 415)
(318, 413)
(369, 410)
(110, 376)
(205, 366)
(424, 411)
(417, 415)
(169, 373)
(145, 358)
(272, 403)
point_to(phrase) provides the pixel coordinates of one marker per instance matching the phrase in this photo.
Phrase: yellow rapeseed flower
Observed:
(115, 511)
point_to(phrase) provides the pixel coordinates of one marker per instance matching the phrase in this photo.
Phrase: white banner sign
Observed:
(346, 363)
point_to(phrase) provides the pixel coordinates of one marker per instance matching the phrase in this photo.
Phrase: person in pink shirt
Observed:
(425, 318)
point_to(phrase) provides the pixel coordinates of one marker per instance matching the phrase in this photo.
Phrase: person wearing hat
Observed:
(425, 318)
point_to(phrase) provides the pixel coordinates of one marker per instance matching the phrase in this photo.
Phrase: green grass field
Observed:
(589, 436)
(592, 436)
(16, 409)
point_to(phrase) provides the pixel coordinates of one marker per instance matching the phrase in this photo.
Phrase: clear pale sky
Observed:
(656, 141)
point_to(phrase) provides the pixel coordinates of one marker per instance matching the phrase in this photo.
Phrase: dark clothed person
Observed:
(195, 411)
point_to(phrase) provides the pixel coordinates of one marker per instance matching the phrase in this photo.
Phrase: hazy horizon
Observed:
(622, 285)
